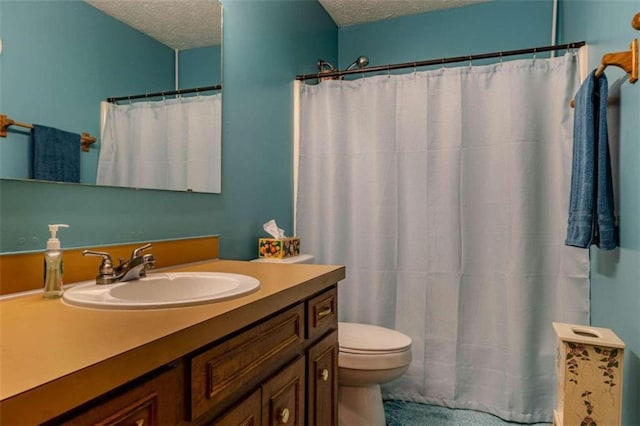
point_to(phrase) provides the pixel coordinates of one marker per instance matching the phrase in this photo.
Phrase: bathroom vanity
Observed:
(269, 357)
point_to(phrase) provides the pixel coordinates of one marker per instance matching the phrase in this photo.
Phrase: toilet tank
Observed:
(301, 258)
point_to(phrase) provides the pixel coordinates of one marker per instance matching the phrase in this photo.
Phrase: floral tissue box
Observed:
(278, 248)
(588, 376)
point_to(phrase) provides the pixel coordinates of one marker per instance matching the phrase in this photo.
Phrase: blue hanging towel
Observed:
(591, 215)
(56, 154)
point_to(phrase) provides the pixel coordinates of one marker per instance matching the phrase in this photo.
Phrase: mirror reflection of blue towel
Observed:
(56, 154)
(591, 216)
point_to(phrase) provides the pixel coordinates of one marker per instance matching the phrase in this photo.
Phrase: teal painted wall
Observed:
(481, 28)
(615, 275)
(266, 43)
(99, 214)
(200, 67)
(265, 46)
(59, 59)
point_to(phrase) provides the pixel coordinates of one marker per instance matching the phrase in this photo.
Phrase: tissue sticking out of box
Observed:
(279, 246)
(272, 229)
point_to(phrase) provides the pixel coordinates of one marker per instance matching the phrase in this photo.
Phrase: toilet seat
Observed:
(374, 361)
(369, 347)
(366, 352)
(366, 338)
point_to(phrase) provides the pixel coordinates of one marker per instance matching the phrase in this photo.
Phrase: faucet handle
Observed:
(148, 262)
(106, 267)
(137, 251)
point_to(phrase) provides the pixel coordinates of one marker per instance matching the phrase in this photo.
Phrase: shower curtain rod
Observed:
(441, 61)
(167, 93)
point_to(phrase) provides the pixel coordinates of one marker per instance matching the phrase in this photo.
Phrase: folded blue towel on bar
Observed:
(591, 216)
(56, 154)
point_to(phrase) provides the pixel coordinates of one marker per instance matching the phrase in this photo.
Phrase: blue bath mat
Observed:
(404, 413)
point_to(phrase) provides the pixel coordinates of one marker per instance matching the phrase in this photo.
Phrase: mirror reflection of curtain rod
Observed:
(167, 93)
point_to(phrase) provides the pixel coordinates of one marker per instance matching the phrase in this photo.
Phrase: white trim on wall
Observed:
(296, 148)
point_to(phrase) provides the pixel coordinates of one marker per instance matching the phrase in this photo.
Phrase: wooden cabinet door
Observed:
(246, 413)
(234, 367)
(157, 401)
(322, 382)
(283, 396)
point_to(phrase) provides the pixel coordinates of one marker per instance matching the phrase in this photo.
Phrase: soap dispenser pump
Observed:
(53, 264)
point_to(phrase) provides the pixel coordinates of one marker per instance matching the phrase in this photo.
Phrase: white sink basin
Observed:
(162, 290)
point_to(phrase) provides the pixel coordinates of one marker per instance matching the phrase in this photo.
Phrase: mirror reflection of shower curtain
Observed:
(445, 194)
(170, 144)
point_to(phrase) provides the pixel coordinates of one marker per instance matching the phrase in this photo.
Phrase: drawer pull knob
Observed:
(326, 311)
(140, 422)
(284, 415)
(324, 375)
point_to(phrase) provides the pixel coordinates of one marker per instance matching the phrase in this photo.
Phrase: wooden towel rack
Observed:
(85, 139)
(627, 60)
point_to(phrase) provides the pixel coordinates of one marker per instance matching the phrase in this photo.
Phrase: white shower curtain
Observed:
(445, 194)
(170, 144)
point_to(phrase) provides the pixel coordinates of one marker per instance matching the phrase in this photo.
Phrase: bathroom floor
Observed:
(403, 413)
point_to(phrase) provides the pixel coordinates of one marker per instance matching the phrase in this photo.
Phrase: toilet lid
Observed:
(354, 337)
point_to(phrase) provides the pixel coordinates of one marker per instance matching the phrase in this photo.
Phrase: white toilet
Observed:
(368, 357)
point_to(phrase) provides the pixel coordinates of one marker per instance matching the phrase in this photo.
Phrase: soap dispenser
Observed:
(53, 264)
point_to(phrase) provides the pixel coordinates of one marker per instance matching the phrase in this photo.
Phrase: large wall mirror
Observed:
(61, 61)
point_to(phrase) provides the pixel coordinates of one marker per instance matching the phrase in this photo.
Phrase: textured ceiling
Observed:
(179, 24)
(186, 24)
(352, 12)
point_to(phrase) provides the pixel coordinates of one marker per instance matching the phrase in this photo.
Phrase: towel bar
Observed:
(85, 139)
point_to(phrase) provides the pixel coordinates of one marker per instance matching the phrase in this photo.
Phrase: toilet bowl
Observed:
(368, 356)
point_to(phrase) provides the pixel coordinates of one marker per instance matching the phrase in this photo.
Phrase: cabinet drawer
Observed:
(322, 313)
(237, 365)
(157, 401)
(141, 413)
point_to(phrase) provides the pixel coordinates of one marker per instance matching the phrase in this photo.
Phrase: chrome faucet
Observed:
(127, 270)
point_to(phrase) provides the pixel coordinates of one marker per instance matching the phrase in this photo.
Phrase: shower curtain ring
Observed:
(388, 70)
(415, 68)
(534, 53)
(470, 61)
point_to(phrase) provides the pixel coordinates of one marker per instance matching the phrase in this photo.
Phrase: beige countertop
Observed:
(51, 350)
